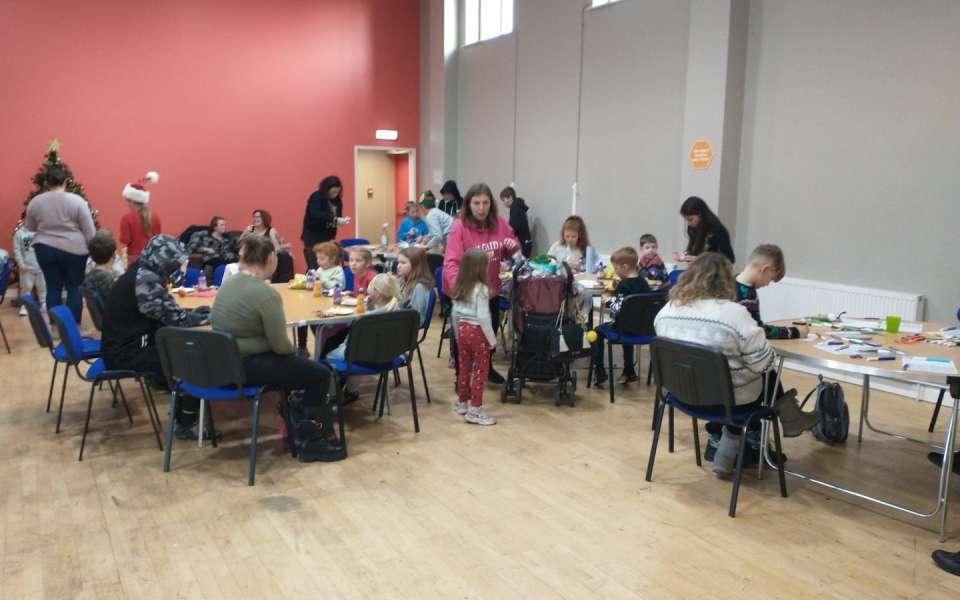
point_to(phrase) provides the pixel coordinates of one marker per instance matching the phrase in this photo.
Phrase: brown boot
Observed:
(793, 420)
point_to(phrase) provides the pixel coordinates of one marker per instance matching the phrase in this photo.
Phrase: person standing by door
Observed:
(324, 213)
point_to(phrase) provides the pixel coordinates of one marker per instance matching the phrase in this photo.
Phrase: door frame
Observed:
(411, 179)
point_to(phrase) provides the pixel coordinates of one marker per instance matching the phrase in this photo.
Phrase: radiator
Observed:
(794, 298)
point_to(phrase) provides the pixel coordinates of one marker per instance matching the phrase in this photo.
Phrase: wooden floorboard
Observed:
(549, 503)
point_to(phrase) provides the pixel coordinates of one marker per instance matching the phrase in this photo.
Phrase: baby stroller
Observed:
(543, 309)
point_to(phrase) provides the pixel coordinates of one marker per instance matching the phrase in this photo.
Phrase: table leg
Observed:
(864, 402)
(946, 468)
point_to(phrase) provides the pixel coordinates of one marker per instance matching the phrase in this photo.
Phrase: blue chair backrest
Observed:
(674, 276)
(431, 302)
(438, 279)
(354, 242)
(38, 323)
(69, 333)
(348, 278)
(218, 275)
(5, 278)
(192, 277)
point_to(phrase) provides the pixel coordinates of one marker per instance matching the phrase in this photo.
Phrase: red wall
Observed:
(238, 105)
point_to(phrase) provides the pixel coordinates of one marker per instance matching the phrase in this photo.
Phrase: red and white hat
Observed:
(136, 192)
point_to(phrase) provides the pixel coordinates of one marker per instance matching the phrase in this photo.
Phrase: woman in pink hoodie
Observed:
(479, 226)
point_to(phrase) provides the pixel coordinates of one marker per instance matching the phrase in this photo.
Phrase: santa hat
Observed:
(136, 192)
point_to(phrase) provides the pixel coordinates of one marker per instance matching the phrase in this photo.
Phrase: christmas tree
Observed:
(52, 159)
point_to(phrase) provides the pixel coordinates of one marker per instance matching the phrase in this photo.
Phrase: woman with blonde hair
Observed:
(703, 309)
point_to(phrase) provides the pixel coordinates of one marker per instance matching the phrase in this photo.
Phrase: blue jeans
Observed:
(62, 270)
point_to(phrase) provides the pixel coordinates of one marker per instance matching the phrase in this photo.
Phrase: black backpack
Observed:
(835, 422)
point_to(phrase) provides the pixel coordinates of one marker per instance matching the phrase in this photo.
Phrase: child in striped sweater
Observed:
(765, 265)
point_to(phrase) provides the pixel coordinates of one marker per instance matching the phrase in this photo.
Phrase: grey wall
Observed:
(850, 124)
(843, 155)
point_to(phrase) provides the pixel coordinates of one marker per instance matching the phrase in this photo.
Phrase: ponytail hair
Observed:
(146, 219)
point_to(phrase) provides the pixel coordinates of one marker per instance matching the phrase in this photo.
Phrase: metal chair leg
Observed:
(738, 474)
(123, 398)
(376, 395)
(63, 392)
(213, 437)
(53, 379)
(670, 428)
(776, 442)
(696, 440)
(936, 411)
(443, 330)
(650, 369)
(86, 422)
(255, 425)
(413, 397)
(151, 411)
(657, 425)
(5, 342)
(167, 450)
(610, 379)
(423, 373)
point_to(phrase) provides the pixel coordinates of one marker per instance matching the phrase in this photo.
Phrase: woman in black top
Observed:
(705, 232)
(323, 215)
(451, 199)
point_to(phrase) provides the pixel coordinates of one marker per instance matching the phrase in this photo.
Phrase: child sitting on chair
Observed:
(329, 271)
(624, 263)
(382, 296)
(765, 265)
(651, 265)
(360, 260)
(102, 248)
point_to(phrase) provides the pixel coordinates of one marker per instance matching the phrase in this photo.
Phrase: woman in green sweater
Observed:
(252, 311)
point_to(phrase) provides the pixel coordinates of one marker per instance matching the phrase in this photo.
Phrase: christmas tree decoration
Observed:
(52, 159)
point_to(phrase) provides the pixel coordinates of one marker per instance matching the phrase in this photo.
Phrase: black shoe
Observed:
(937, 459)
(350, 396)
(948, 561)
(599, 378)
(494, 377)
(321, 451)
(628, 377)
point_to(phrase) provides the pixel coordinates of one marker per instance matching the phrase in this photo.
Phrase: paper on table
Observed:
(911, 327)
(929, 365)
(905, 326)
(589, 283)
(839, 350)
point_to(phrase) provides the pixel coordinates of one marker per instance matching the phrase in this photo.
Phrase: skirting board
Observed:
(909, 390)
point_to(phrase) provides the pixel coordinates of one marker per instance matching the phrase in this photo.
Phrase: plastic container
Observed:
(337, 296)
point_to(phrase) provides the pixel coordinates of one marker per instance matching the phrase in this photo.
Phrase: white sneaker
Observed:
(459, 407)
(476, 416)
(23, 310)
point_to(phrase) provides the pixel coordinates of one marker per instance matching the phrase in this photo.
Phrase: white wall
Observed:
(843, 156)
(850, 126)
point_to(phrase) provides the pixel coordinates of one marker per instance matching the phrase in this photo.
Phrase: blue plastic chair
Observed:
(96, 373)
(633, 326)
(353, 242)
(943, 391)
(424, 328)
(4, 284)
(378, 344)
(445, 306)
(348, 279)
(206, 365)
(674, 276)
(218, 275)
(89, 349)
(692, 378)
(192, 277)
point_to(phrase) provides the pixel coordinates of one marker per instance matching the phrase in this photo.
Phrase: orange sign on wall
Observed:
(701, 154)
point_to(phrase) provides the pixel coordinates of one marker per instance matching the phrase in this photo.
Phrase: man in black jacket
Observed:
(518, 219)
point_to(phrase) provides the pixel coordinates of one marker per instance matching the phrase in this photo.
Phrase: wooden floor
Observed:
(549, 503)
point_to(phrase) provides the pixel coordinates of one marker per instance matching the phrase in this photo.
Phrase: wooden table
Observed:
(806, 352)
(299, 306)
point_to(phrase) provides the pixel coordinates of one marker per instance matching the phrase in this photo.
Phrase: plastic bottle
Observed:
(337, 295)
(317, 289)
(384, 240)
(361, 302)
(202, 282)
(310, 278)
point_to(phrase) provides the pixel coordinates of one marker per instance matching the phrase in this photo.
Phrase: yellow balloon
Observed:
(591, 336)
